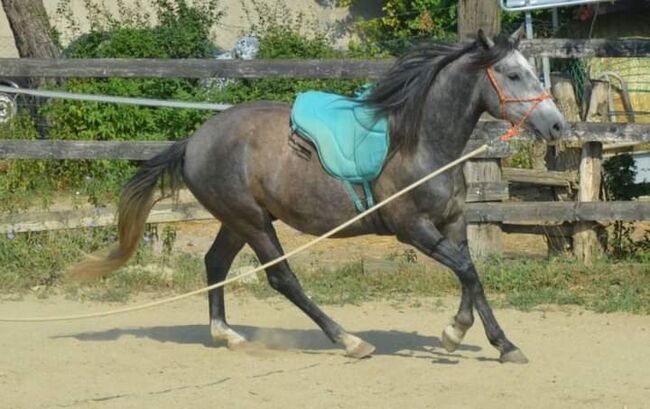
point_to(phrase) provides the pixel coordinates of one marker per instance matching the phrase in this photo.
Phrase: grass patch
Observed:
(607, 286)
(35, 262)
(351, 284)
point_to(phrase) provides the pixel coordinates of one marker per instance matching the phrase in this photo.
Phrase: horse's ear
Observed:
(516, 37)
(484, 40)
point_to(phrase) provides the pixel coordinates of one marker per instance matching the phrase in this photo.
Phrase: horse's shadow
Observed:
(393, 342)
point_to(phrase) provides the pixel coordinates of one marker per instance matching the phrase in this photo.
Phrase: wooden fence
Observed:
(487, 181)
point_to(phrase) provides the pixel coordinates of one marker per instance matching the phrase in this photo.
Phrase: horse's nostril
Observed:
(556, 130)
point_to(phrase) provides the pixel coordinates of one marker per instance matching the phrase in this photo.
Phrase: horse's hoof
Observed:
(222, 332)
(363, 350)
(451, 338)
(236, 342)
(355, 347)
(515, 357)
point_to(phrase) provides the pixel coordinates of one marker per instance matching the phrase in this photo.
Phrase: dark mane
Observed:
(400, 95)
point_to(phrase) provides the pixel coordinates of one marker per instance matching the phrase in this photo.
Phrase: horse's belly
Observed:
(301, 194)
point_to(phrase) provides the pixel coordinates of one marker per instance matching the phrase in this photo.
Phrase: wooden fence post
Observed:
(483, 238)
(480, 174)
(563, 157)
(586, 245)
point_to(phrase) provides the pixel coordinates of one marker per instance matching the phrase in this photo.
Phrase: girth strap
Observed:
(358, 202)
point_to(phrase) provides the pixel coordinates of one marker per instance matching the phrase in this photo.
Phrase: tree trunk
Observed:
(475, 14)
(33, 37)
(31, 27)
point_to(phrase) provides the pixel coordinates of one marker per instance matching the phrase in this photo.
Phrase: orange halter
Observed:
(503, 100)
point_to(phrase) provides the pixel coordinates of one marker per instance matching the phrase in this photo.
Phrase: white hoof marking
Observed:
(355, 347)
(222, 332)
(452, 337)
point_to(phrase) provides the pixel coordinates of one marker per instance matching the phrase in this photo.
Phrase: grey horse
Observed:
(242, 169)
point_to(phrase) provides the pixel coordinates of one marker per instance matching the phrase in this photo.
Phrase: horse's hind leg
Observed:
(217, 263)
(267, 247)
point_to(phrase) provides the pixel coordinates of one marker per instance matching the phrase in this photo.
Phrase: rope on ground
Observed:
(330, 233)
(149, 102)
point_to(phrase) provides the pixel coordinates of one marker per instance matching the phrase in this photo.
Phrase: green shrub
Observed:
(619, 173)
(282, 36)
(404, 21)
(182, 31)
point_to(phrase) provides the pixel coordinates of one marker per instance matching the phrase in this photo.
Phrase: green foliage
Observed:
(403, 22)
(523, 156)
(282, 35)
(182, 31)
(38, 259)
(37, 262)
(619, 174)
(18, 178)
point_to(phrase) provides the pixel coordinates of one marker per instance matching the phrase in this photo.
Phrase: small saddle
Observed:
(352, 143)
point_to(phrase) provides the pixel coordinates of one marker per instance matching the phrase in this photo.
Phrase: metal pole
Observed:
(529, 33)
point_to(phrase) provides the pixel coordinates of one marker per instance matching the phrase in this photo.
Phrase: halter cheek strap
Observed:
(503, 100)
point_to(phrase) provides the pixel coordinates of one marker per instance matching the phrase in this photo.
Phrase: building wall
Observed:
(234, 23)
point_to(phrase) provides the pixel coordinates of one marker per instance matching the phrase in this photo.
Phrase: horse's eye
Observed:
(513, 76)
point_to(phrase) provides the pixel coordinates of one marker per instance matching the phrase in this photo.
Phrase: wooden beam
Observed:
(510, 213)
(105, 216)
(545, 229)
(193, 68)
(64, 149)
(486, 192)
(339, 68)
(541, 177)
(575, 132)
(143, 150)
(551, 212)
(583, 48)
(136, 150)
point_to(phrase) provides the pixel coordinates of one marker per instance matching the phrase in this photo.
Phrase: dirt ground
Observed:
(164, 358)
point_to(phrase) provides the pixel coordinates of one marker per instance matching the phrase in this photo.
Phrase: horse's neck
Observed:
(451, 112)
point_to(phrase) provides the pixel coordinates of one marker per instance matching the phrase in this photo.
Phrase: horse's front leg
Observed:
(453, 334)
(427, 238)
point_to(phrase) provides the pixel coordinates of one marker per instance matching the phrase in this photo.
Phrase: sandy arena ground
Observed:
(164, 358)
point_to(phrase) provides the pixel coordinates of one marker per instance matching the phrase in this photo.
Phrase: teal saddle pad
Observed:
(352, 143)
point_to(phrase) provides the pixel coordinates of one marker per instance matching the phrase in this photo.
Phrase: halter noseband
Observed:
(503, 100)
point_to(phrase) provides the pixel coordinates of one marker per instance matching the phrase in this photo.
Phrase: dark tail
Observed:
(135, 204)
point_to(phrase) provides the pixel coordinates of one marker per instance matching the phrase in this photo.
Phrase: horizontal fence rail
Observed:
(341, 68)
(541, 177)
(548, 213)
(557, 211)
(143, 150)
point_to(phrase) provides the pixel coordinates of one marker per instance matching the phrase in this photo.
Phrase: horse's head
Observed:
(512, 91)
